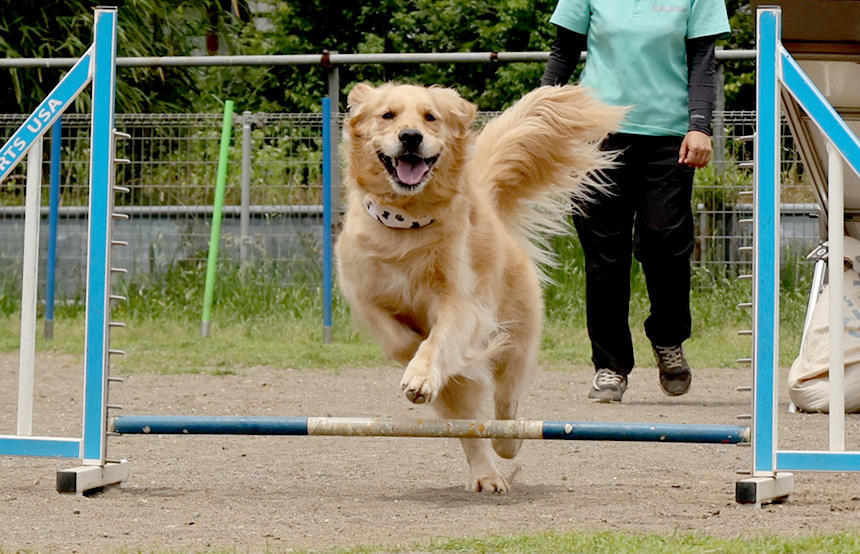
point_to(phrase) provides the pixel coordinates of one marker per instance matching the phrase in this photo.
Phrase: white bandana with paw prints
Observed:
(394, 218)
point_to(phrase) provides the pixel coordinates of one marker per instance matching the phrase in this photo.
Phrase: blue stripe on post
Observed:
(53, 217)
(45, 114)
(98, 260)
(550, 430)
(820, 111)
(818, 461)
(648, 432)
(40, 446)
(765, 241)
(327, 238)
(211, 425)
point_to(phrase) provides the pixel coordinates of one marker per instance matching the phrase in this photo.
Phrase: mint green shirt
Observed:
(637, 54)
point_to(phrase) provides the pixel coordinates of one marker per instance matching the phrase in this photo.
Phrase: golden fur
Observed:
(459, 301)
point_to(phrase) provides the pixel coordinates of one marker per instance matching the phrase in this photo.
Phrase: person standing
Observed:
(657, 57)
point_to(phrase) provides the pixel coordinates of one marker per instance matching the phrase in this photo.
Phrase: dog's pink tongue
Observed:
(411, 173)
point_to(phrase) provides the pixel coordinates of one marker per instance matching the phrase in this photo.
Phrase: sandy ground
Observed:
(279, 493)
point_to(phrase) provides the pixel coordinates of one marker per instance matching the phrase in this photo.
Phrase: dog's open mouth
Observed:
(408, 170)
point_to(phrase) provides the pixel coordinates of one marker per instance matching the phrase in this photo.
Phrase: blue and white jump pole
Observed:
(434, 428)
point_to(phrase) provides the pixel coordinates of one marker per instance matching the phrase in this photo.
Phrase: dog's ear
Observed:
(357, 94)
(467, 113)
(462, 112)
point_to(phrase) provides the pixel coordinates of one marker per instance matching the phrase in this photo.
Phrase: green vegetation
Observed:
(64, 29)
(623, 543)
(167, 28)
(558, 543)
(271, 314)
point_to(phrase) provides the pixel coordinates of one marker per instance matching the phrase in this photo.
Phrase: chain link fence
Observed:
(277, 160)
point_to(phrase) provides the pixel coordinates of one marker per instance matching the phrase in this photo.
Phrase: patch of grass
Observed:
(172, 345)
(606, 542)
(177, 347)
(270, 314)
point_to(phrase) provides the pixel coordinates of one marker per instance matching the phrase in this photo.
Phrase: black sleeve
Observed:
(563, 57)
(700, 74)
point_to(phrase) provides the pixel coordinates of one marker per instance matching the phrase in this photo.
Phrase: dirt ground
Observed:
(279, 493)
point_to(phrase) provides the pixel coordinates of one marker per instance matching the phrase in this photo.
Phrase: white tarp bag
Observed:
(808, 378)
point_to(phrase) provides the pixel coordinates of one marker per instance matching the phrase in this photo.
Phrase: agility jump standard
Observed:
(96, 66)
(776, 71)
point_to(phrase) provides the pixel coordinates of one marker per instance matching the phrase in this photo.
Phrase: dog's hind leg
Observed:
(460, 399)
(511, 376)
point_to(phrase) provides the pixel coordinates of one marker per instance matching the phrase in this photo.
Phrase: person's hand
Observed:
(695, 149)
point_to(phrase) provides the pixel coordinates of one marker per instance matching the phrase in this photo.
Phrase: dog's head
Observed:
(405, 139)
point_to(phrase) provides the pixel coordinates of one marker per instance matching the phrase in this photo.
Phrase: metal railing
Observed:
(274, 192)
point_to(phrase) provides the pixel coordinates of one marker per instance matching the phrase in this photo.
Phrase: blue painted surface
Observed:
(821, 112)
(53, 218)
(98, 312)
(818, 461)
(766, 237)
(648, 432)
(42, 447)
(211, 425)
(327, 238)
(552, 430)
(45, 114)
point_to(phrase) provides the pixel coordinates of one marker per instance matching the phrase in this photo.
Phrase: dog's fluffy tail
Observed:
(540, 159)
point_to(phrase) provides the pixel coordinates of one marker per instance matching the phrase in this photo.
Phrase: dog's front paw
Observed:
(420, 386)
(491, 483)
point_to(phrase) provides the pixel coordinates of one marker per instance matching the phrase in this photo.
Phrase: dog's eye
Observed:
(429, 117)
(388, 115)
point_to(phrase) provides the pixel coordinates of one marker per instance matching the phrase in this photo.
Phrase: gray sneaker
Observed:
(675, 375)
(607, 386)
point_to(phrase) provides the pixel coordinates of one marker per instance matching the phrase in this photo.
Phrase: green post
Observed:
(215, 235)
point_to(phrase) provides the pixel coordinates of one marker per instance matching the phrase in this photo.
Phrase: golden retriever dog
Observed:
(445, 233)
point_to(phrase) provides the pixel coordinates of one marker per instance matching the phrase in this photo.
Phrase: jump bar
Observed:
(454, 428)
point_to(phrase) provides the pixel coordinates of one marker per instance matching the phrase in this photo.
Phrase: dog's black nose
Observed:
(410, 138)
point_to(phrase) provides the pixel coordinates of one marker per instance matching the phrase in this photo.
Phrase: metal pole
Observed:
(245, 216)
(334, 99)
(317, 59)
(836, 270)
(53, 219)
(327, 168)
(29, 284)
(704, 242)
(719, 126)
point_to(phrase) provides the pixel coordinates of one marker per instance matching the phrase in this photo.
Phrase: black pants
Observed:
(647, 213)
